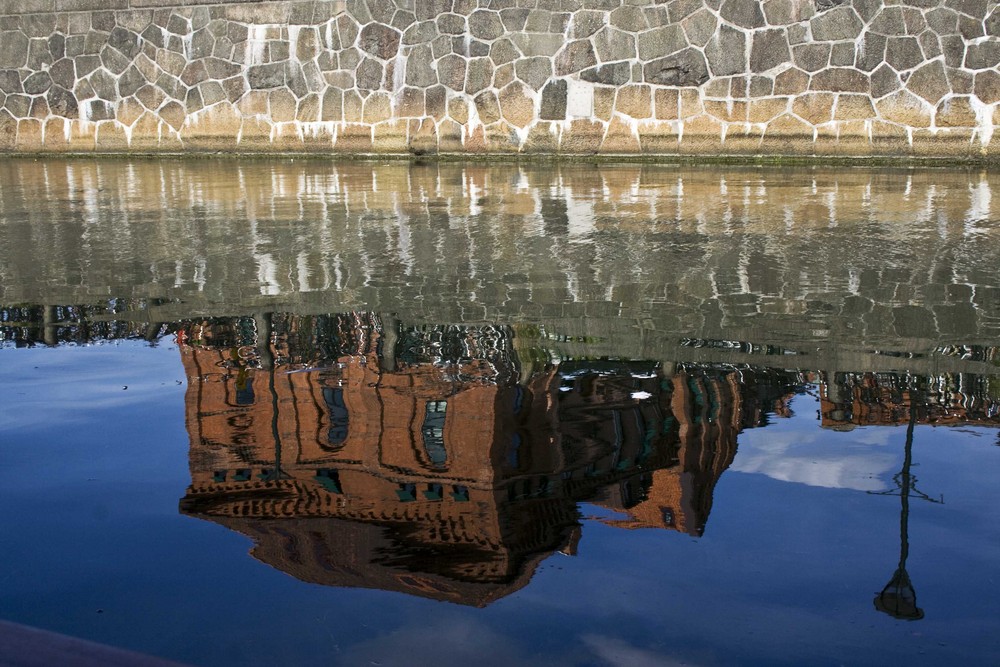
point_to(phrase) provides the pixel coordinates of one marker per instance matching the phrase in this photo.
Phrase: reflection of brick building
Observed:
(848, 400)
(437, 473)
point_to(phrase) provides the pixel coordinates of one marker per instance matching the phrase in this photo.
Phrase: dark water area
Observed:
(389, 413)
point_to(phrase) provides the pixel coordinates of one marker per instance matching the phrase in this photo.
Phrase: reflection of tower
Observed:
(898, 598)
(437, 467)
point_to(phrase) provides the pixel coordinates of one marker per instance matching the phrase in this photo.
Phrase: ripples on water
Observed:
(429, 379)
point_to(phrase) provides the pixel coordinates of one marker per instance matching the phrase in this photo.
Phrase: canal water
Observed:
(290, 412)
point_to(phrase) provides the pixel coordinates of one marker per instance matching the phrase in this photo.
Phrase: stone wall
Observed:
(699, 77)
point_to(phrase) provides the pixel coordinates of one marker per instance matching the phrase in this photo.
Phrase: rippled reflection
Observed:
(428, 379)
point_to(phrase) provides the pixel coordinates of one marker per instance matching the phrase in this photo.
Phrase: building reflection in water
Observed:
(449, 461)
(444, 461)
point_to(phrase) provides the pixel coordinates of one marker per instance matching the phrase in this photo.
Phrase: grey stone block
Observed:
(687, 68)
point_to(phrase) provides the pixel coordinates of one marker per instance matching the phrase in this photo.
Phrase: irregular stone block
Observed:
(839, 23)
(612, 74)
(533, 71)
(744, 13)
(905, 109)
(517, 105)
(726, 52)
(379, 40)
(574, 57)
(929, 82)
(553, 104)
(769, 50)
(687, 68)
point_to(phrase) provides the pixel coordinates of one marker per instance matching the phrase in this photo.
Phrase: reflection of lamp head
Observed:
(898, 599)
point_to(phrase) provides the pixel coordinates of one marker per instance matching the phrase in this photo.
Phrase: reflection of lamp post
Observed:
(898, 598)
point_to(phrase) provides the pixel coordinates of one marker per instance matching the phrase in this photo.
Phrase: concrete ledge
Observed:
(31, 647)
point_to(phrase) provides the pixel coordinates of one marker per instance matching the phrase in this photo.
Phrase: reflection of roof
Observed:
(421, 549)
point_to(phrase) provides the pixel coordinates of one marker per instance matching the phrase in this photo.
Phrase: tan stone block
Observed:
(658, 138)
(308, 110)
(620, 138)
(423, 137)
(702, 135)
(378, 108)
(853, 137)
(475, 140)
(516, 105)
(39, 109)
(789, 135)
(727, 110)
(950, 142)
(582, 137)
(458, 110)
(542, 138)
(8, 131)
(254, 103)
(827, 141)
(410, 103)
(128, 111)
(173, 114)
(54, 134)
(889, 139)
(111, 137)
(853, 107)
(146, 132)
(764, 109)
(353, 105)
(635, 100)
(667, 104)
(791, 82)
(503, 76)
(286, 138)
(956, 112)
(29, 134)
(450, 137)
(82, 136)
(215, 128)
(255, 134)
(691, 104)
(282, 105)
(814, 108)
(391, 136)
(904, 108)
(502, 138)
(354, 138)
(604, 102)
(317, 137)
(742, 139)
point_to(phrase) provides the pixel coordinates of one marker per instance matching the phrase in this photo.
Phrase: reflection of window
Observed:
(219, 476)
(329, 479)
(460, 493)
(668, 516)
(433, 432)
(244, 389)
(242, 475)
(434, 492)
(407, 492)
(334, 398)
(514, 451)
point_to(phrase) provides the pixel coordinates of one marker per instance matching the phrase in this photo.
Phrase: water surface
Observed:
(287, 412)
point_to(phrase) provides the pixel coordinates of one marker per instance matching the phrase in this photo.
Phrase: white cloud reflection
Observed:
(799, 451)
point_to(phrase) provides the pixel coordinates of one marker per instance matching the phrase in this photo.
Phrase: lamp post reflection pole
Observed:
(898, 598)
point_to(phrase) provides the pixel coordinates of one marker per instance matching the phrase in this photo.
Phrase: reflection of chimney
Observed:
(390, 335)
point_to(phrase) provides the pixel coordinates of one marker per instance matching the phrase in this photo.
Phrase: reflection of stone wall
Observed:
(830, 77)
